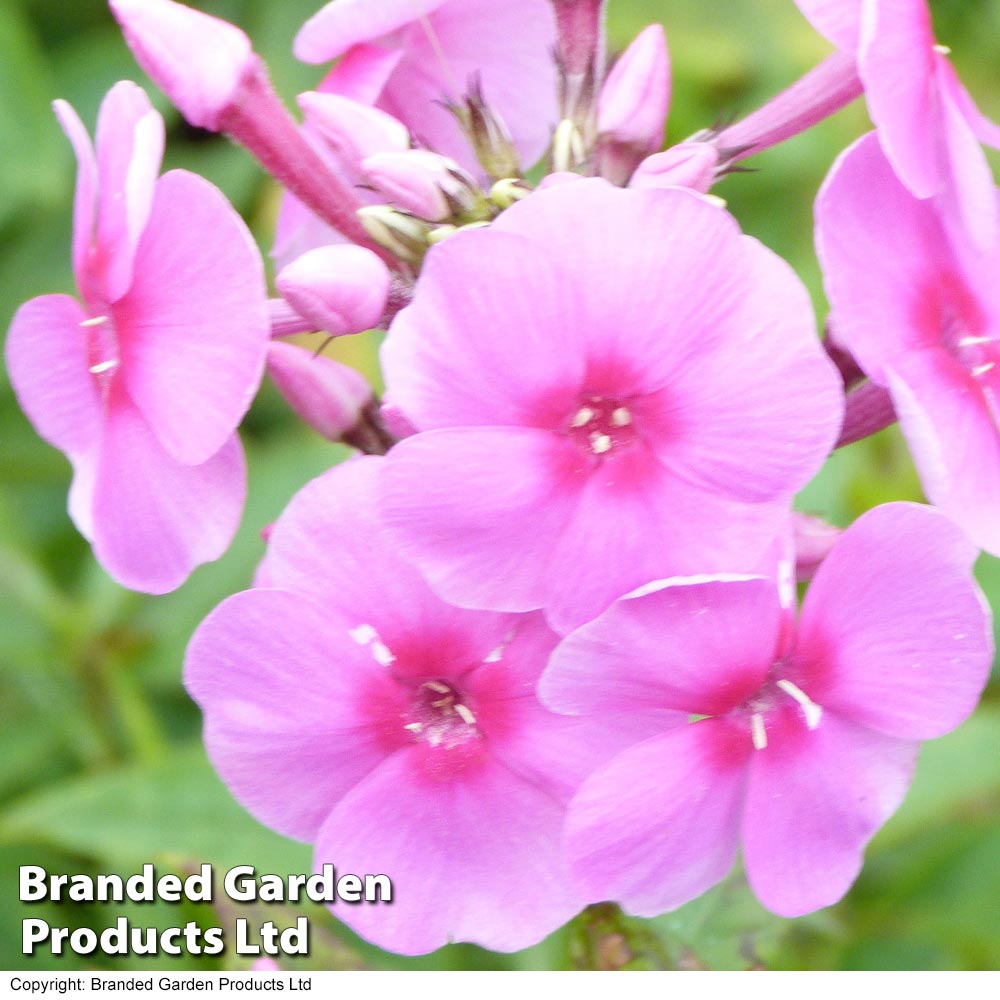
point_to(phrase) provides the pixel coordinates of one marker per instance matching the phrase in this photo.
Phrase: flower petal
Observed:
(464, 856)
(155, 520)
(894, 628)
(814, 800)
(659, 825)
(691, 647)
(130, 139)
(480, 510)
(296, 712)
(85, 198)
(47, 360)
(194, 327)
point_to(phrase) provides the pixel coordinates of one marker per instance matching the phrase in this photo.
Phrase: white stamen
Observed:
(945, 50)
(600, 443)
(437, 687)
(757, 731)
(812, 712)
(445, 703)
(583, 416)
(621, 417)
(94, 321)
(495, 656)
(983, 369)
(715, 200)
(414, 727)
(465, 715)
(103, 366)
(382, 653)
(363, 634)
(973, 341)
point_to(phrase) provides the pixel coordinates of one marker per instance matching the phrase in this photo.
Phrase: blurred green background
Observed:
(101, 767)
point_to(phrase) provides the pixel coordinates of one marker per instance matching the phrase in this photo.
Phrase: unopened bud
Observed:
(688, 164)
(341, 289)
(428, 185)
(505, 192)
(488, 134)
(404, 235)
(353, 130)
(199, 61)
(632, 109)
(328, 396)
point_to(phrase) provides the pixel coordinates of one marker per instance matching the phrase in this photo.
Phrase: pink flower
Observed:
(918, 307)
(407, 56)
(812, 729)
(928, 125)
(144, 383)
(350, 707)
(614, 387)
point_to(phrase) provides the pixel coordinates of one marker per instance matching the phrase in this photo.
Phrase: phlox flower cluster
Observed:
(538, 646)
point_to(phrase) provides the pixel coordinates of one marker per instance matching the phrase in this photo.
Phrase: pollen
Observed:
(103, 366)
(600, 444)
(583, 416)
(621, 417)
(94, 321)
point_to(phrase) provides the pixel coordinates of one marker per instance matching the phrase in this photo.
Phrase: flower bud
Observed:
(632, 109)
(404, 235)
(199, 61)
(341, 288)
(688, 164)
(488, 134)
(428, 185)
(328, 396)
(353, 130)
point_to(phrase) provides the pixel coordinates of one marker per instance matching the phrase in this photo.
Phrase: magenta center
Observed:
(440, 717)
(601, 425)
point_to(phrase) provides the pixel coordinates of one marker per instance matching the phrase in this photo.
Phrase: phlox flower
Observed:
(928, 124)
(612, 387)
(348, 706)
(143, 383)
(409, 56)
(919, 308)
(810, 729)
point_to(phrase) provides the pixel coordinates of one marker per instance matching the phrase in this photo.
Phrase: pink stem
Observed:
(823, 91)
(579, 23)
(869, 410)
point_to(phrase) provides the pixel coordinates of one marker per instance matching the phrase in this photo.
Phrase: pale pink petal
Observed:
(814, 800)
(85, 198)
(336, 27)
(667, 298)
(468, 39)
(521, 361)
(971, 189)
(194, 327)
(482, 510)
(894, 633)
(952, 432)
(839, 21)
(47, 359)
(351, 130)
(691, 647)
(296, 712)
(155, 520)
(199, 61)
(878, 277)
(710, 441)
(368, 581)
(130, 141)
(896, 65)
(637, 521)
(299, 230)
(362, 73)
(475, 858)
(659, 825)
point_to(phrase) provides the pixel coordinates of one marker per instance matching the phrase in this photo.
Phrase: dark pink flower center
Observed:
(601, 425)
(776, 696)
(440, 717)
(965, 332)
